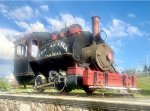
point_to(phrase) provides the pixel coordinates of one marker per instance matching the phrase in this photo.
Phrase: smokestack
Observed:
(95, 26)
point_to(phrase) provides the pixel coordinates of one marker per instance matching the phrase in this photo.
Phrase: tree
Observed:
(145, 68)
(129, 71)
(149, 69)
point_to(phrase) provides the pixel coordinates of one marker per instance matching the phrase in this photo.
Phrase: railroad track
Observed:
(80, 94)
(88, 103)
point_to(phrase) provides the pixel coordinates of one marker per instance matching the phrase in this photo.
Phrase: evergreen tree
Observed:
(149, 69)
(145, 68)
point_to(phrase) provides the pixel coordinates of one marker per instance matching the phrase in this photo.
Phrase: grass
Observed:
(144, 84)
(20, 88)
(29, 88)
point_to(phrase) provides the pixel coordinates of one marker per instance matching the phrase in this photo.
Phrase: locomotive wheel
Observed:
(40, 79)
(62, 88)
(68, 90)
(59, 87)
(88, 90)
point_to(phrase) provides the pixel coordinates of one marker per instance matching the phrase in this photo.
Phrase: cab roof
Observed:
(41, 36)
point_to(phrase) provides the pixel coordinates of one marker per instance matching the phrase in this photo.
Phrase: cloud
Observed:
(58, 23)
(118, 61)
(117, 49)
(148, 36)
(7, 36)
(6, 61)
(36, 12)
(44, 8)
(3, 8)
(22, 13)
(6, 66)
(148, 22)
(6, 69)
(132, 31)
(32, 27)
(6, 47)
(119, 28)
(119, 43)
(131, 15)
(144, 23)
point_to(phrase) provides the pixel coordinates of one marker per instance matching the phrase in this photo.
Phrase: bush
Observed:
(4, 84)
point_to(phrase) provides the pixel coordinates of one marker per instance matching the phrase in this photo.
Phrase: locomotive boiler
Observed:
(73, 59)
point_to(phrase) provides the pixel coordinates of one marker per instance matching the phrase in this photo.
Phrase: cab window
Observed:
(34, 48)
(20, 51)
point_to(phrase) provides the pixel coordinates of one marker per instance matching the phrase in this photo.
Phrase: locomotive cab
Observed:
(22, 70)
(26, 49)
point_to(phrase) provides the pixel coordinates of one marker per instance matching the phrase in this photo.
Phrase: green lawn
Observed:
(144, 84)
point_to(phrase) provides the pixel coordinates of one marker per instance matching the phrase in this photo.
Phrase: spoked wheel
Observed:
(88, 90)
(61, 87)
(68, 90)
(40, 80)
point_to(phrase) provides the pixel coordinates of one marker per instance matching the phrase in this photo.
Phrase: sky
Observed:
(126, 23)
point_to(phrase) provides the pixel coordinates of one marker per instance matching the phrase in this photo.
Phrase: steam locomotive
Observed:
(69, 59)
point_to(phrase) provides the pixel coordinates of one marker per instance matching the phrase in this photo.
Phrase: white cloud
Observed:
(131, 15)
(6, 45)
(7, 37)
(132, 30)
(119, 28)
(3, 8)
(22, 13)
(32, 27)
(119, 43)
(10, 35)
(115, 48)
(44, 8)
(59, 23)
(147, 34)
(37, 13)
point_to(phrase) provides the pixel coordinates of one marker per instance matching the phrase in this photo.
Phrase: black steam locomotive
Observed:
(69, 59)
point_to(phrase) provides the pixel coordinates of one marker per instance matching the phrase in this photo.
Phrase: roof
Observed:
(42, 36)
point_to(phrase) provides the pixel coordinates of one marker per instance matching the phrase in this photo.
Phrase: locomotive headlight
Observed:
(110, 56)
